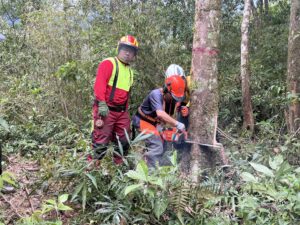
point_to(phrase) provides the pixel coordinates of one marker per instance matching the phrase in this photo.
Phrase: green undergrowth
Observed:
(261, 185)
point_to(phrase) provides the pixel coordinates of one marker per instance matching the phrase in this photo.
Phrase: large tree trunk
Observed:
(248, 122)
(204, 99)
(293, 75)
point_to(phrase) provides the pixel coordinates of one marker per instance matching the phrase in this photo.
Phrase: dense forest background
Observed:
(48, 63)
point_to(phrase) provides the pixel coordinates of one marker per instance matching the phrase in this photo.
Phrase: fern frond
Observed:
(180, 198)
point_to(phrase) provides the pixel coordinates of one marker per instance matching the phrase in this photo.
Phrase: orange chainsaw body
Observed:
(171, 134)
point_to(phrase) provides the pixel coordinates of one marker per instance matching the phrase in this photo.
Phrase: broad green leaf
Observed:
(93, 179)
(141, 137)
(63, 207)
(297, 170)
(263, 169)
(173, 158)
(149, 192)
(51, 201)
(127, 136)
(8, 178)
(142, 168)
(4, 124)
(135, 175)
(141, 172)
(63, 198)
(248, 177)
(77, 190)
(160, 207)
(84, 192)
(157, 181)
(132, 188)
(116, 219)
(276, 162)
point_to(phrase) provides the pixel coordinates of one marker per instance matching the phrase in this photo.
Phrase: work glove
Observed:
(102, 109)
(184, 111)
(180, 126)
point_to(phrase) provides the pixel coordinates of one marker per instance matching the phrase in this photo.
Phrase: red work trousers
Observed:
(114, 124)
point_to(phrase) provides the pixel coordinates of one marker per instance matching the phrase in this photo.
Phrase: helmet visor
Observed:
(178, 98)
(126, 47)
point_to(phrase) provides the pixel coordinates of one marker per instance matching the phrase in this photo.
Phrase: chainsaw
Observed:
(172, 134)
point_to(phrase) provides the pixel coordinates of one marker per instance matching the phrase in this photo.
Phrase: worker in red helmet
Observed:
(182, 107)
(152, 114)
(111, 91)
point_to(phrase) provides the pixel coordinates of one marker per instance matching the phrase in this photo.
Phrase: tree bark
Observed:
(204, 98)
(293, 73)
(248, 122)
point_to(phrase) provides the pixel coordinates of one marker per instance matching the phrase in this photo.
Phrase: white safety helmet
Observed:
(174, 69)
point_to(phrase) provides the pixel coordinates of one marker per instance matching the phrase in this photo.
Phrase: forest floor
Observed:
(24, 199)
(28, 195)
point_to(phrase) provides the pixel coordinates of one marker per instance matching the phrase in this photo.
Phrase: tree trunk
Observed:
(261, 7)
(204, 99)
(266, 7)
(67, 31)
(293, 73)
(248, 122)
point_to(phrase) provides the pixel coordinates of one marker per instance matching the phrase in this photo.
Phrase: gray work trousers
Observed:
(155, 151)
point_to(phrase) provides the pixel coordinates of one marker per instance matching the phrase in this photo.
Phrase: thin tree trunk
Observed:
(248, 122)
(256, 15)
(266, 7)
(293, 73)
(261, 7)
(67, 31)
(204, 99)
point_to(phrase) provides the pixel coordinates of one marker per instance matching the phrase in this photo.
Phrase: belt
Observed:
(147, 118)
(119, 108)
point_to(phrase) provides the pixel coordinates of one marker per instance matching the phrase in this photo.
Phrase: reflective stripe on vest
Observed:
(125, 77)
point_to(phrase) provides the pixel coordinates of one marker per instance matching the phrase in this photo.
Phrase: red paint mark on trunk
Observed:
(209, 51)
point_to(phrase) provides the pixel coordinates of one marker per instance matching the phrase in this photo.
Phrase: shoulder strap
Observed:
(112, 93)
(131, 80)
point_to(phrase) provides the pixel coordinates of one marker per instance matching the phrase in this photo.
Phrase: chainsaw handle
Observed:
(184, 132)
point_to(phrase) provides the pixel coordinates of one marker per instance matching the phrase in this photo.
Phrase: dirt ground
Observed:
(30, 193)
(24, 199)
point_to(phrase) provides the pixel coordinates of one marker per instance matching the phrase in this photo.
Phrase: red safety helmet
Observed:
(129, 41)
(176, 86)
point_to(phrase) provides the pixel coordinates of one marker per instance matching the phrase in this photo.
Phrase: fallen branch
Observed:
(225, 135)
(28, 198)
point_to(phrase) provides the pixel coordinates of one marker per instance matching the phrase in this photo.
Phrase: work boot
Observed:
(99, 150)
